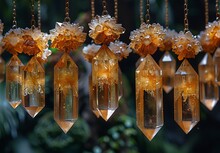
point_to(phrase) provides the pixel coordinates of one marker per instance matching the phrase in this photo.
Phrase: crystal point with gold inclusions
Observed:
(149, 97)
(186, 97)
(65, 92)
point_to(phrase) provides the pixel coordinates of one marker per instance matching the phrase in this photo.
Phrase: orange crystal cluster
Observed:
(147, 38)
(104, 29)
(67, 37)
(1, 37)
(186, 45)
(168, 40)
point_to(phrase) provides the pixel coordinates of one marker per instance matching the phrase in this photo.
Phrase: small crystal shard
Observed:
(149, 97)
(65, 92)
(186, 97)
(2, 69)
(216, 59)
(33, 87)
(14, 81)
(168, 65)
(208, 88)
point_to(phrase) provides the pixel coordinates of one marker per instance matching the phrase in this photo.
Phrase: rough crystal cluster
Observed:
(104, 29)
(147, 38)
(168, 40)
(186, 45)
(67, 37)
(90, 51)
(1, 37)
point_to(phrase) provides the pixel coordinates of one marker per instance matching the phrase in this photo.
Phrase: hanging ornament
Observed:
(66, 37)
(2, 62)
(13, 44)
(209, 92)
(149, 94)
(186, 81)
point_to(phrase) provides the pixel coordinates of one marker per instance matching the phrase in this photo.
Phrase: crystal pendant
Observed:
(14, 81)
(149, 97)
(208, 88)
(168, 65)
(186, 97)
(65, 92)
(33, 87)
(216, 59)
(2, 69)
(120, 85)
(105, 82)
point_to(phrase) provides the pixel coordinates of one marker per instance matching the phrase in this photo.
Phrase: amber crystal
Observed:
(186, 97)
(208, 88)
(105, 82)
(2, 69)
(149, 97)
(14, 81)
(33, 90)
(168, 65)
(65, 92)
(216, 59)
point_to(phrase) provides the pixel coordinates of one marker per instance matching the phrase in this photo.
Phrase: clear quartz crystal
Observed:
(186, 97)
(105, 82)
(33, 90)
(14, 81)
(209, 92)
(2, 69)
(168, 65)
(216, 59)
(65, 92)
(120, 85)
(149, 97)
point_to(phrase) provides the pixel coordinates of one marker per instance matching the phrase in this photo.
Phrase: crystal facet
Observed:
(216, 59)
(2, 69)
(120, 85)
(149, 97)
(168, 65)
(65, 92)
(33, 90)
(105, 82)
(208, 88)
(186, 97)
(14, 81)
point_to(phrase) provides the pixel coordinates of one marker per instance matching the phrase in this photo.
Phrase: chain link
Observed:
(217, 10)
(32, 14)
(14, 26)
(167, 14)
(93, 8)
(186, 24)
(148, 12)
(104, 5)
(206, 11)
(39, 15)
(141, 11)
(67, 10)
(116, 9)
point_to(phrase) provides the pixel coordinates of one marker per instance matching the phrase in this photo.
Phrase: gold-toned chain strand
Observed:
(67, 10)
(116, 9)
(167, 14)
(186, 24)
(217, 10)
(39, 15)
(148, 12)
(104, 6)
(206, 12)
(14, 26)
(141, 11)
(93, 8)
(32, 14)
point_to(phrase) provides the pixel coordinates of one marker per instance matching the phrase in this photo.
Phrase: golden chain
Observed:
(14, 26)
(116, 9)
(93, 8)
(141, 11)
(32, 14)
(186, 24)
(217, 10)
(148, 12)
(167, 14)
(206, 11)
(67, 10)
(39, 15)
(104, 5)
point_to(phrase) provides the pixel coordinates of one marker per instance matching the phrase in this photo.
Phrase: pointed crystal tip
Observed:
(96, 113)
(65, 126)
(187, 126)
(210, 103)
(106, 114)
(150, 133)
(15, 104)
(167, 89)
(33, 111)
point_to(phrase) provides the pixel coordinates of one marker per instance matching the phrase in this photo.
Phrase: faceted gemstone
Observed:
(216, 59)
(14, 81)
(120, 84)
(65, 92)
(168, 65)
(105, 82)
(33, 91)
(149, 97)
(208, 88)
(2, 69)
(186, 97)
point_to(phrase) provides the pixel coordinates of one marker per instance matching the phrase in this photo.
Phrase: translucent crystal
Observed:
(65, 92)
(120, 84)
(2, 69)
(14, 81)
(149, 97)
(186, 97)
(216, 58)
(33, 91)
(105, 82)
(208, 88)
(168, 65)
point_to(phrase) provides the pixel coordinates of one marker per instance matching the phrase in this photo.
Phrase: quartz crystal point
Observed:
(14, 81)
(186, 97)
(149, 97)
(65, 92)
(120, 85)
(208, 88)
(216, 58)
(105, 82)
(2, 69)
(168, 65)
(33, 92)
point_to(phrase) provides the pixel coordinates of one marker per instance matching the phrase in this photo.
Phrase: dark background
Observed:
(19, 133)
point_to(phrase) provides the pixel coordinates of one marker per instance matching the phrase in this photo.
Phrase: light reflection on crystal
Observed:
(216, 59)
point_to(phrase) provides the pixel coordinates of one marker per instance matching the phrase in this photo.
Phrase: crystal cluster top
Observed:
(1, 37)
(104, 29)
(147, 38)
(210, 38)
(186, 45)
(168, 40)
(67, 37)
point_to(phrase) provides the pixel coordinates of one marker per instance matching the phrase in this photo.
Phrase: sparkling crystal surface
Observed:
(149, 97)
(216, 59)
(2, 69)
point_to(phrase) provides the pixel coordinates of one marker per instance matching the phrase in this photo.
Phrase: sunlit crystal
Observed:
(14, 81)
(33, 90)
(65, 92)
(120, 85)
(208, 88)
(186, 97)
(216, 59)
(149, 97)
(105, 82)
(2, 69)
(168, 65)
